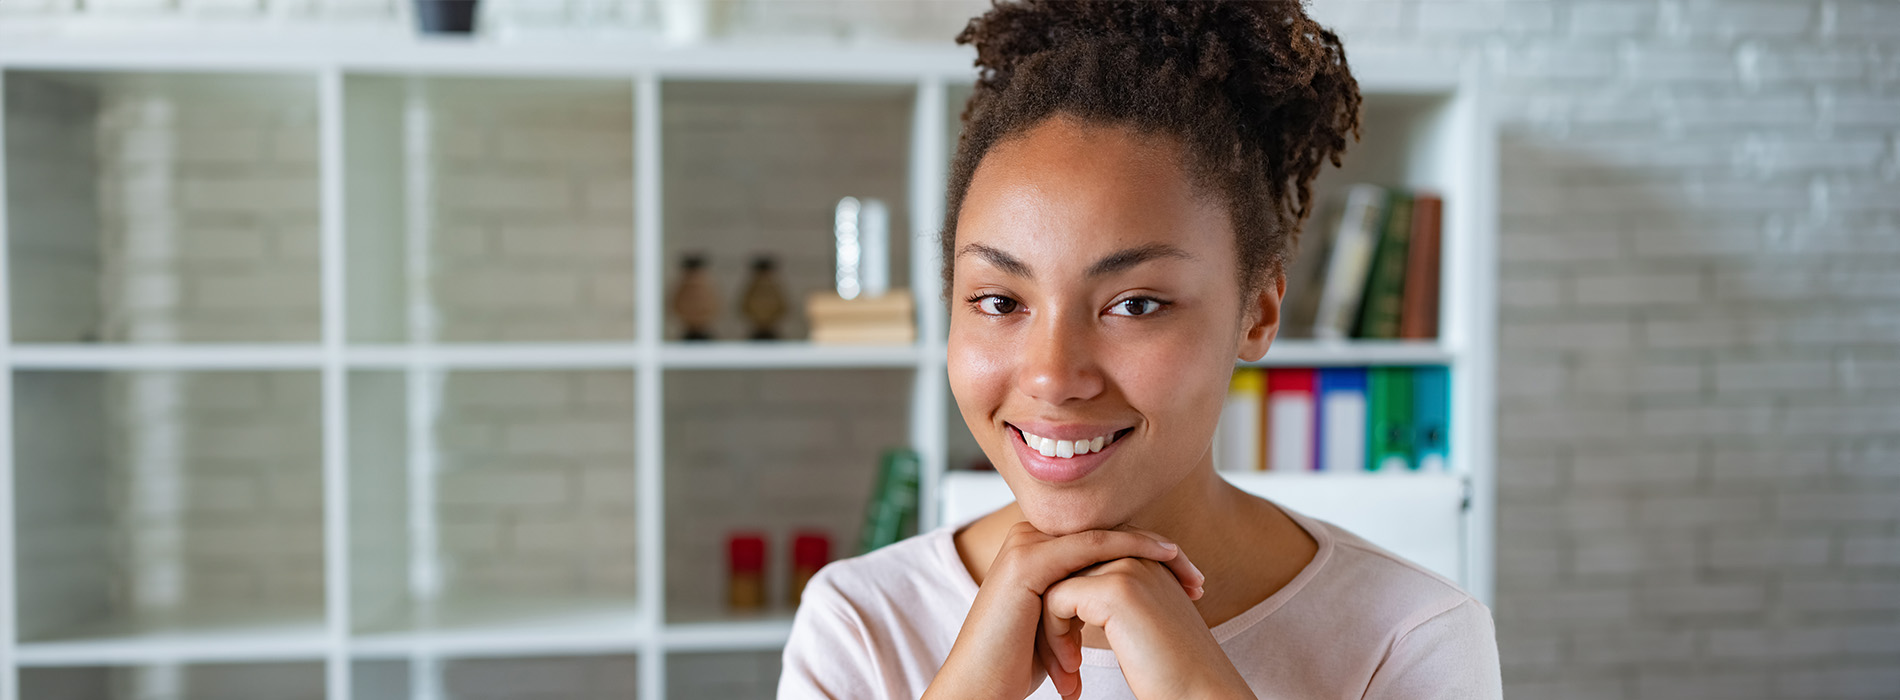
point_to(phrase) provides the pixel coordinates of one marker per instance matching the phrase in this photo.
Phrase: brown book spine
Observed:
(1418, 316)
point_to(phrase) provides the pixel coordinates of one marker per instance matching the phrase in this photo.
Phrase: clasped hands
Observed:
(1136, 586)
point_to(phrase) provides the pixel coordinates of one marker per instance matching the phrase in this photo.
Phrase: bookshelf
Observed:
(394, 404)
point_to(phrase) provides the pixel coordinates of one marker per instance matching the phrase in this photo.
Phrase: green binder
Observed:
(892, 514)
(1389, 439)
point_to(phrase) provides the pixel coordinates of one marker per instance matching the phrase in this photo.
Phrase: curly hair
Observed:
(1257, 94)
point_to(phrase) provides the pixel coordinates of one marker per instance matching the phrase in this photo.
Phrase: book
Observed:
(1349, 262)
(1418, 312)
(1385, 283)
(886, 319)
(1292, 419)
(864, 334)
(1299, 305)
(892, 512)
(1431, 418)
(1342, 419)
(1389, 436)
(1238, 441)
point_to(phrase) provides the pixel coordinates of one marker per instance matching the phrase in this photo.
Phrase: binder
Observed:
(1238, 440)
(1342, 419)
(1389, 439)
(1293, 418)
(1431, 418)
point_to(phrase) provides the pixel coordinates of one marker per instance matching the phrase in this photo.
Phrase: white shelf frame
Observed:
(1466, 345)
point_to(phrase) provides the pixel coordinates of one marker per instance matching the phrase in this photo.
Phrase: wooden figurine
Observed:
(764, 300)
(695, 301)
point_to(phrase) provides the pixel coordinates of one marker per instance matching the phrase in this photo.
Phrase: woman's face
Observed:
(1094, 301)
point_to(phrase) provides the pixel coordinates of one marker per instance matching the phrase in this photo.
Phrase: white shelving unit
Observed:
(366, 350)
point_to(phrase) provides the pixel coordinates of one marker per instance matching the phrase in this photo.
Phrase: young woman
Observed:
(1131, 179)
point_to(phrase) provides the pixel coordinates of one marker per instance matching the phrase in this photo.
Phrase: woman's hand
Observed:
(1162, 643)
(1000, 653)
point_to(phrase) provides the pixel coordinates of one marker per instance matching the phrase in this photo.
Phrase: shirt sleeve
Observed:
(1451, 655)
(829, 653)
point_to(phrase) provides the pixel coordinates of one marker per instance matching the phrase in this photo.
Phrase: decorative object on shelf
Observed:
(811, 551)
(892, 514)
(695, 301)
(745, 572)
(764, 300)
(862, 232)
(693, 21)
(863, 310)
(446, 17)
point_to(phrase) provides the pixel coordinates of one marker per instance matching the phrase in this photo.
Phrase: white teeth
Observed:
(1064, 448)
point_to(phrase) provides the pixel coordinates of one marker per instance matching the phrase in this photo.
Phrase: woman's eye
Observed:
(1138, 306)
(996, 306)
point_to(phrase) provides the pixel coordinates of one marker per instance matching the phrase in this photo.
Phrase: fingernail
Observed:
(1170, 546)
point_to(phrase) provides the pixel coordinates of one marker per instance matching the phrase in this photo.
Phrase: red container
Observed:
(745, 571)
(811, 551)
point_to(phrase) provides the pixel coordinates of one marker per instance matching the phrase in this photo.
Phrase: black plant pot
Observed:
(446, 16)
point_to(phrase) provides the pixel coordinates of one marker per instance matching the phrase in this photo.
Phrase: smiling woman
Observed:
(1131, 179)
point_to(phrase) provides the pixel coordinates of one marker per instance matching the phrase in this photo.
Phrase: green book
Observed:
(892, 514)
(1389, 439)
(1385, 285)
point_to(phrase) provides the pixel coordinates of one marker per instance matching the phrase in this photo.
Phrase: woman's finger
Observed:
(1037, 564)
(1190, 576)
(1067, 684)
(1064, 638)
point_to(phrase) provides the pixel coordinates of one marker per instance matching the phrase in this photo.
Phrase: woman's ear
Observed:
(1263, 320)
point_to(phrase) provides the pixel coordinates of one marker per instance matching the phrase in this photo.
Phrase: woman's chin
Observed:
(1067, 515)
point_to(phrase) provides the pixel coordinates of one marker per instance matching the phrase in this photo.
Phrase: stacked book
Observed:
(1372, 273)
(1346, 419)
(885, 319)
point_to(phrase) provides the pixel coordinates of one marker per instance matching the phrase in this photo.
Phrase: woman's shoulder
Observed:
(1389, 590)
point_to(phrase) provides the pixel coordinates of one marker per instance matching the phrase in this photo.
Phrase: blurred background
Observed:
(345, 359)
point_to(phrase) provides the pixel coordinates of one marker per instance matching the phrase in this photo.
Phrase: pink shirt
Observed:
(1357, 622)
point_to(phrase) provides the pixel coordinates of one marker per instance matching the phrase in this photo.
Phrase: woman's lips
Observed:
(1057, 470)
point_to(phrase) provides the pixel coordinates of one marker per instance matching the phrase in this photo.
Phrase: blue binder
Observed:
(1343, 414)
(1431, 414)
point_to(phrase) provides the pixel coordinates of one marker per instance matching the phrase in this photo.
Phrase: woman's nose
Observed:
(1057, 362)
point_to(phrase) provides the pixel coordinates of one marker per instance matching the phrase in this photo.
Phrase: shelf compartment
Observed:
(489, 209)
(489, 505)
(158, 505)
(773, 452)
(220, 681)
(739, 675)
(541, 677)
(751, 168)
(1404, 146)
(162, 208)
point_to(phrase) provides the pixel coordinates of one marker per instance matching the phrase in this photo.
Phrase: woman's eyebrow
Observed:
(1130, 257)
(1109, 264)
